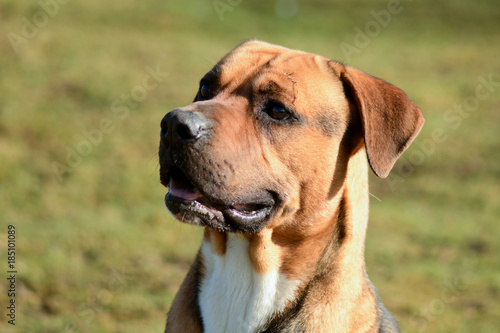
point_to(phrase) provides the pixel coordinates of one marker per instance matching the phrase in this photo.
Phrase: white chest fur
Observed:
(233, 296)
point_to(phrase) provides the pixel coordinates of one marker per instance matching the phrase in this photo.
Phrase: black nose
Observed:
(179, 127)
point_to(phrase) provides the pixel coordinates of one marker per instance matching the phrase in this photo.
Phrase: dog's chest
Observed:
(233, 296)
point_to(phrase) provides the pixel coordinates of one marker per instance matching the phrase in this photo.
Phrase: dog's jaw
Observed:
(189, 203)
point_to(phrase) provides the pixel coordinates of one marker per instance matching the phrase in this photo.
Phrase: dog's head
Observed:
(271, 131)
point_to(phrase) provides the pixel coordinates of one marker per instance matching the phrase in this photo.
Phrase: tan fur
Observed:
(332, 301)
(264, 254)
(217, 239)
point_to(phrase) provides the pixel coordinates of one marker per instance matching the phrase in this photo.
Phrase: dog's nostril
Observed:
(164, 127)
(187, 131)
(164, 132)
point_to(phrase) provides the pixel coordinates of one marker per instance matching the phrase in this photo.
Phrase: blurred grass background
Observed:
(97, 251)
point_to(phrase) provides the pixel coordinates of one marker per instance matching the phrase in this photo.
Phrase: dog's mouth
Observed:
(189, 204)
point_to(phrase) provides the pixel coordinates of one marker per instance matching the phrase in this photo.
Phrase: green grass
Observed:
(97, 251)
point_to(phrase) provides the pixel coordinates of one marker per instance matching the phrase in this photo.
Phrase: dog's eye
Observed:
(278, 112)
(204, 91)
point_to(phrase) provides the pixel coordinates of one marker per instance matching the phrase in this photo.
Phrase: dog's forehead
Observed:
(256, 59)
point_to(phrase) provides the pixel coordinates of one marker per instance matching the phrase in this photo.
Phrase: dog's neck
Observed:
(249, 280)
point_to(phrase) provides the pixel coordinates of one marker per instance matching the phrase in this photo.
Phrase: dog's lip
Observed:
(182, 192)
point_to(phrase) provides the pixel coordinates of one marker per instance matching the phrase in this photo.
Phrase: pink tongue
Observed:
(182, 190)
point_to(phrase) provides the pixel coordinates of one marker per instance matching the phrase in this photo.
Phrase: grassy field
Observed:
(84, 85)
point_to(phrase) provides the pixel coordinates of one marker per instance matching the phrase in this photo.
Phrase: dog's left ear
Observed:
(390, 119)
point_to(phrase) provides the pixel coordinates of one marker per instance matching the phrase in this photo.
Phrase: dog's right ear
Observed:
(390, 119)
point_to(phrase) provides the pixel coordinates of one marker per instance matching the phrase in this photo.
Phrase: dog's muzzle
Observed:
(194, 195)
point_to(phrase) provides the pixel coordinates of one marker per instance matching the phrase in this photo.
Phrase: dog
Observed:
(272, 160)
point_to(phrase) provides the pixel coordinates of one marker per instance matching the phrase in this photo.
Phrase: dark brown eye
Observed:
(205, 91)
(278, 112)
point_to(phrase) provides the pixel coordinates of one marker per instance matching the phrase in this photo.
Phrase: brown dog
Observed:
(272, 159)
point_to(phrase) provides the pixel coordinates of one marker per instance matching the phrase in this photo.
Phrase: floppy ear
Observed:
(390, 119)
